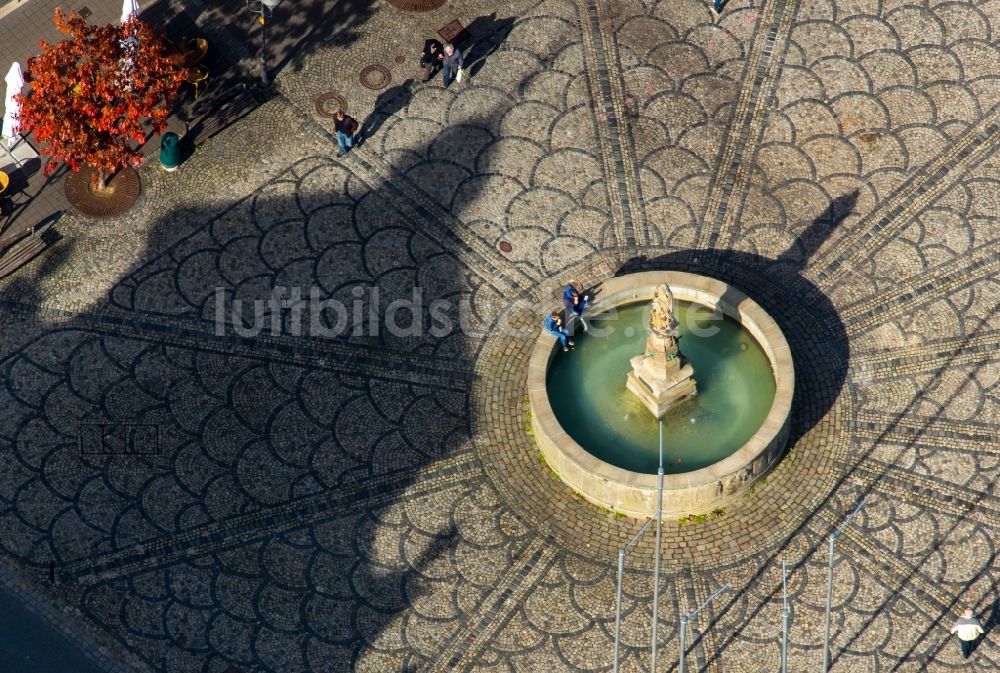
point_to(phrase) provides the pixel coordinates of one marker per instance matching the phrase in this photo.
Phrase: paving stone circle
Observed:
(352, 499)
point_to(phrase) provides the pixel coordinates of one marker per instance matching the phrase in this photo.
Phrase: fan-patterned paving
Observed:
(197, 500)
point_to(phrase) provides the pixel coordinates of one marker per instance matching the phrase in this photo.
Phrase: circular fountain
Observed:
(689, 350)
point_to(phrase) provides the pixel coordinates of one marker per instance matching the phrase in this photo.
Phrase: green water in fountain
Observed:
(587, 392)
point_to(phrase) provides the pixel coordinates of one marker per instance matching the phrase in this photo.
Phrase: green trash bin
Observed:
(170, 151)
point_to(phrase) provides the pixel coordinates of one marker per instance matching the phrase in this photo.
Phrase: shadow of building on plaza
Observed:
(806, 316)
(342, 427)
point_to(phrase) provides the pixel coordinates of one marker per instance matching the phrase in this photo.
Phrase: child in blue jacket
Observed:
(553, 324)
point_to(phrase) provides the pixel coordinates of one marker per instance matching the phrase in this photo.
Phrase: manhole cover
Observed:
(375, 76)
(505, 246)
(118, 196)
(328, 103)
(417, 5)
(454, 32)
(84, 12)
(400, 59)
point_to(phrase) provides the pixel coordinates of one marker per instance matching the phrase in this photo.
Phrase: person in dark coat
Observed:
(575, 303)
(553, 323)
(432, 57)
(346, 127)
(451, 64)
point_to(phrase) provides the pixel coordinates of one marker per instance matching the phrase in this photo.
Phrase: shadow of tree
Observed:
(294, 31)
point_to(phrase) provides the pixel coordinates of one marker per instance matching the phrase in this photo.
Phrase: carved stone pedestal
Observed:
(660, 378)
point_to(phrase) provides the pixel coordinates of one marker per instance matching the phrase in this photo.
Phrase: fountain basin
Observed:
(701, 490)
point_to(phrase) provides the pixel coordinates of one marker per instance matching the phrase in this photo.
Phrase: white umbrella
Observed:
(129, 9)
(15, 81)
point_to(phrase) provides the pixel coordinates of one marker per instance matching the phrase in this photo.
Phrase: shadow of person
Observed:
(487, 33)
(387, 104)
(807, 317)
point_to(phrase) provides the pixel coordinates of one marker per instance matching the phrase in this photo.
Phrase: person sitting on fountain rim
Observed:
(553, 324)
(575, 303)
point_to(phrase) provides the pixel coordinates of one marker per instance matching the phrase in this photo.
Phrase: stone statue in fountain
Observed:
(661, 378)
(661, 317)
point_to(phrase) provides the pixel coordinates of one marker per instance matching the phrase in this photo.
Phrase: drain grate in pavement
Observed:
(119, 439)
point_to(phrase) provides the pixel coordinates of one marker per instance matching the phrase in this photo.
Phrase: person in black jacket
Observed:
(431, 59)
(575, 303)
(346, 127)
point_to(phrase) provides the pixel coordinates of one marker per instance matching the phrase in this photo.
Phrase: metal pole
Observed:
(829, 585)
(263, 49)
(618, 605)
(829, 600)
(684, 626)
(689, 615)
(784, 619)
(621, 578)
(851, 517)
(661, 442)
(656, 565)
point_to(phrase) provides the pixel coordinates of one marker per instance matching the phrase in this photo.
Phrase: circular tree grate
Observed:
(119, 195)
(417, 5)
(328, 103)
(375, 76)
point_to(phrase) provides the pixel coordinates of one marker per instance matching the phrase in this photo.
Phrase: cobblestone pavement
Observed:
(195, 499)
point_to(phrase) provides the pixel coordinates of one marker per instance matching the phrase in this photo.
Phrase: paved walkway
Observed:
(369, 499)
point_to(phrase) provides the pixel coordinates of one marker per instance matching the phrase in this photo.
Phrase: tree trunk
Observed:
(101, 180)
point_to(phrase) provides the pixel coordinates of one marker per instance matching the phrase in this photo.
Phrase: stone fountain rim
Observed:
(638, 287)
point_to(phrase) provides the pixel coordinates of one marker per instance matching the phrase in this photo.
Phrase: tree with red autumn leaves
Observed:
(93, 96)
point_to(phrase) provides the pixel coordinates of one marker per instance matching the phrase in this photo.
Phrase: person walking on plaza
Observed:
(968, 630)
(553, 324)
(451, 63)
(431, 59)
(716, 7)
(575, 303)
(346, 127)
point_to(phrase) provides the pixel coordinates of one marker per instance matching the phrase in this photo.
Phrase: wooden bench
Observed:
(24, 247)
